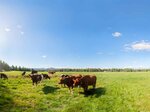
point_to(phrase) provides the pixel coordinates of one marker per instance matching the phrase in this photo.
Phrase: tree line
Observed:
(102, 70)
(5, 67)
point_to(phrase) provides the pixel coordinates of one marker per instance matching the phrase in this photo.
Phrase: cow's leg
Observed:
(33, 83)
(69, 89)
(94, 85)
(85, 88)
(36, 83)
(72, 90)
(64, 85)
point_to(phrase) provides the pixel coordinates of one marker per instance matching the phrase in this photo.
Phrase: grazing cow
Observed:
(34, 71)
(3, 76)
(36, 78)
(87, 80)
(63, 76)
(51, 72)
(23, 74)
(45, 76)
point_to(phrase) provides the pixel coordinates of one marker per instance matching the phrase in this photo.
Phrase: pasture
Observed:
(115, 92)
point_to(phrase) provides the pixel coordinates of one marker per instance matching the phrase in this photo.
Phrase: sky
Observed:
(75, 33)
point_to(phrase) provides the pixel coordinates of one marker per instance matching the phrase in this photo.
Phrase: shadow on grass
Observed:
(94, 92)
(49, 89)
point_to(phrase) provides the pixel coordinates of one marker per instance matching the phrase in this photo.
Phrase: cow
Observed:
(23, 74)
(69, 81)
(34, 71)
(76, 79)
(86, 81)
(45, 76)
(62, 77)
(3, 76)
(51, 72)
(36, 78)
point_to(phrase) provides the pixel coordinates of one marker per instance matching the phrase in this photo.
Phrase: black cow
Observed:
(62, 77)
(36, 78)
(34, 71)
(45, 76)
(3, 76)
(23, 74)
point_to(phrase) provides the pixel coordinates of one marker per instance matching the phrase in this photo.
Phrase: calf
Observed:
(87, 80)
(3, 76)
(36, 78)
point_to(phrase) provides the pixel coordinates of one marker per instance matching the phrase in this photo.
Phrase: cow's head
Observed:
(61, 81)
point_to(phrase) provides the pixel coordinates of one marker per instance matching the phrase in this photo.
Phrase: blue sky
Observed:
(75, 33)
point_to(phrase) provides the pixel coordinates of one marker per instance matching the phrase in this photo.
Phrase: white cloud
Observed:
(138, 46)
(116, 34)
(7, 29)
(21, 32)
(44, 56)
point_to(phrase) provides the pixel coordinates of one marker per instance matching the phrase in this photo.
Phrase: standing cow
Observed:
(36, 78)
(45, 76)
(86, 81)
(69, 81)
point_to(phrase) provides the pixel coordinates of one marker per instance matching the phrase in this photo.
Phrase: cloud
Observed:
(21, 32)
(44, 56)
(116, 34)
(7, 29)
(138, 46)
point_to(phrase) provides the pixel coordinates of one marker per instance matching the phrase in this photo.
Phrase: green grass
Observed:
(116, 92)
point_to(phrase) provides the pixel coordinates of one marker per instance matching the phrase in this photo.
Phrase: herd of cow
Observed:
(70, 81)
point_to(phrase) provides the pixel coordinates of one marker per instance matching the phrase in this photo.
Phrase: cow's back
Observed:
(88, 80)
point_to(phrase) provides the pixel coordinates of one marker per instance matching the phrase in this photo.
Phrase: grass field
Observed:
(116, 92)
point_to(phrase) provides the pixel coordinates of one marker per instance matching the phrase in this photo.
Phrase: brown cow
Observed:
(76, 79)
(3, 76)
(67, 81)
(86, 81)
